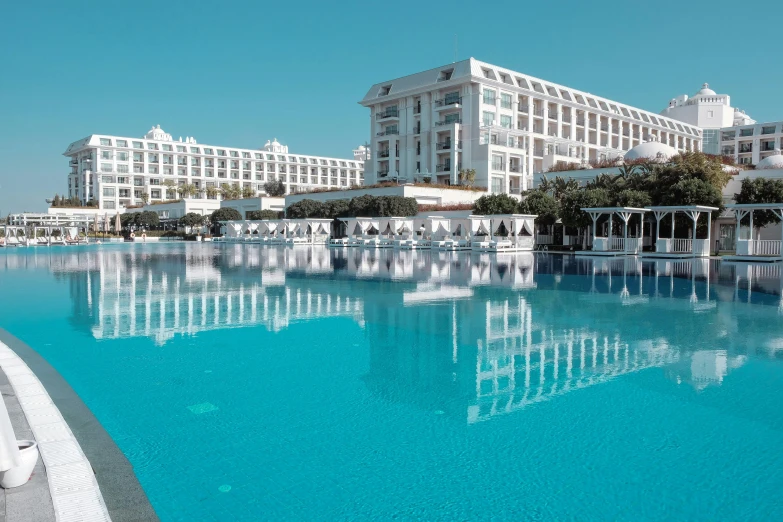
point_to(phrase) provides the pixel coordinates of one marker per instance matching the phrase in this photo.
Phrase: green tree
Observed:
(495, 204)
(562, 186)
(362, 206)
(262, 214)
(212, 192)
(571, 213)
(632, 198)
(337, 208)
(391, 206)
(467, 177)
(147, 219)
(275, 188)
(145, 197)
(542, 205)
(691, 191)
(306, 208)
(760, 190)
(230, 191)
(191, 219)
(224, 214)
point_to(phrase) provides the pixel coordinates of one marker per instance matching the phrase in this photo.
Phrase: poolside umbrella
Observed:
(95, 223)
(117, 223)
(106, 223)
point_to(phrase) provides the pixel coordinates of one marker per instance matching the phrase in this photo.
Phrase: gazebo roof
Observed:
(754, 206)
(674, 208)
(604, 210)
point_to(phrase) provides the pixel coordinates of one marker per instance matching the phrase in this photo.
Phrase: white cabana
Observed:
(749, 246)
(418, 237)
(458, 238)
(317, 230)
(672, 247)
(502, 232)
(609, 245)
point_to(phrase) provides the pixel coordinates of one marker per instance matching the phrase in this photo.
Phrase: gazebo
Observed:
(487, 232)
(610, 245)
(671, 247)
(750, 248)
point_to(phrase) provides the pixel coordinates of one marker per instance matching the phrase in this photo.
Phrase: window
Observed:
(122, 156)
(768, 130)
(138, 145)
(488, 119)
(107, 179)
(497, 162)
(122, 169)
(710, 114)
(208, 151)
(259, 156)
(108, 204)
(122, 180)
(122, 143)
(489, 97)
(497, 185)
(152, 146)
(505, 121)
(746, 132)
(106, 154)
(194, 150)
(105, 142)
(167, 148)
(221, 152)
(108, 192)
(728, 136)
(505, 100)
(105, 167)
(181, 148)
(234, 154)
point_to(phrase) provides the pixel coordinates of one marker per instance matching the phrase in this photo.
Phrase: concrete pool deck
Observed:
(117, 493)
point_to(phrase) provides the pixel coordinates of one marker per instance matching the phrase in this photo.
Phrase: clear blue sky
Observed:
(239, 73)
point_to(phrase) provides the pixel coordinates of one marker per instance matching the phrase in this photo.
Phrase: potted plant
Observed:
(19, 475)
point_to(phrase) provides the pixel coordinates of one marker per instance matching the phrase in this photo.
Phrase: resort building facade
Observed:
(117, 172)
(752, 143)
(503, 124)
(709, 111)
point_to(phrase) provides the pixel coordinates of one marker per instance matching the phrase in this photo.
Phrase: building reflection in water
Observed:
(458, 333)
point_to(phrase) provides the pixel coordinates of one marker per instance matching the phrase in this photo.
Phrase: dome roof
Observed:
(705, 90)
(771, 162)
(653, 150)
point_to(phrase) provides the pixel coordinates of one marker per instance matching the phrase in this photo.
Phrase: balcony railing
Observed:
(449, 122)
(747, 148)
(443, 167)
(524, 108)
(445, 102)
(514, 168)
(728, 152)
(388, 113)
(387, 132)
(767, 146)
(552, 115)
(538, 112)
(73, 163)
(446, 145)
(383, 154)
(538, 152)
(381, 174)
(580, 121)
(521, 127)
(417, 129)
(417, 109)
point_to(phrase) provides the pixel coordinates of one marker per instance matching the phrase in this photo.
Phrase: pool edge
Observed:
(122, 493)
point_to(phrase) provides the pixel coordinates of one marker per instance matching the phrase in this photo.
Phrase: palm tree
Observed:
(212, 192)
(562, 186)
(545, 185)
(626, 171)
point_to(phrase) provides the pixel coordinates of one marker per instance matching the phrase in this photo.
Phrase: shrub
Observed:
(496, 204)
(225, 214)
(262, 214)
(275, 188)
(542, 205)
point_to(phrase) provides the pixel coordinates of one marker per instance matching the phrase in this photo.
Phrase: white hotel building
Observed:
(116, 171)
(504, 124)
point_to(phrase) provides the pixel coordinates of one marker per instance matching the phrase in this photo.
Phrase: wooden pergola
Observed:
(681, 247)
(751, 248)
(610, 245)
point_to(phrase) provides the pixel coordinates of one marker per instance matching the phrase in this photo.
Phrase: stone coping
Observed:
(89, 476)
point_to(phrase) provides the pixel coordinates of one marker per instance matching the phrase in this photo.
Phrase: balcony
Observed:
(383, 153)
(538, 112)
(744, 149)
(524, 108)
(448, 102)
(447, 122)
(538, 152)
(580, 121)
(728, 151)
(605, 127)
(769, 146)
(514, 168)
(73, 163)
(388, 113)
(388, 132)
(417, 129)
(417, 109)
(443, 167)
(552, 115)
(381, 174)
(446, 145)
(521, 127)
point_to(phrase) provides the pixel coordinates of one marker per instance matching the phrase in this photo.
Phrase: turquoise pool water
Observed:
(256, 383)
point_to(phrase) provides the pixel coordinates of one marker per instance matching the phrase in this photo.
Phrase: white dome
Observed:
(653, 150)
(771, 162)
(705, 90)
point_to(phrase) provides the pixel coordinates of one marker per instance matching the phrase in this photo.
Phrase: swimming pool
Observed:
(263, 383)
